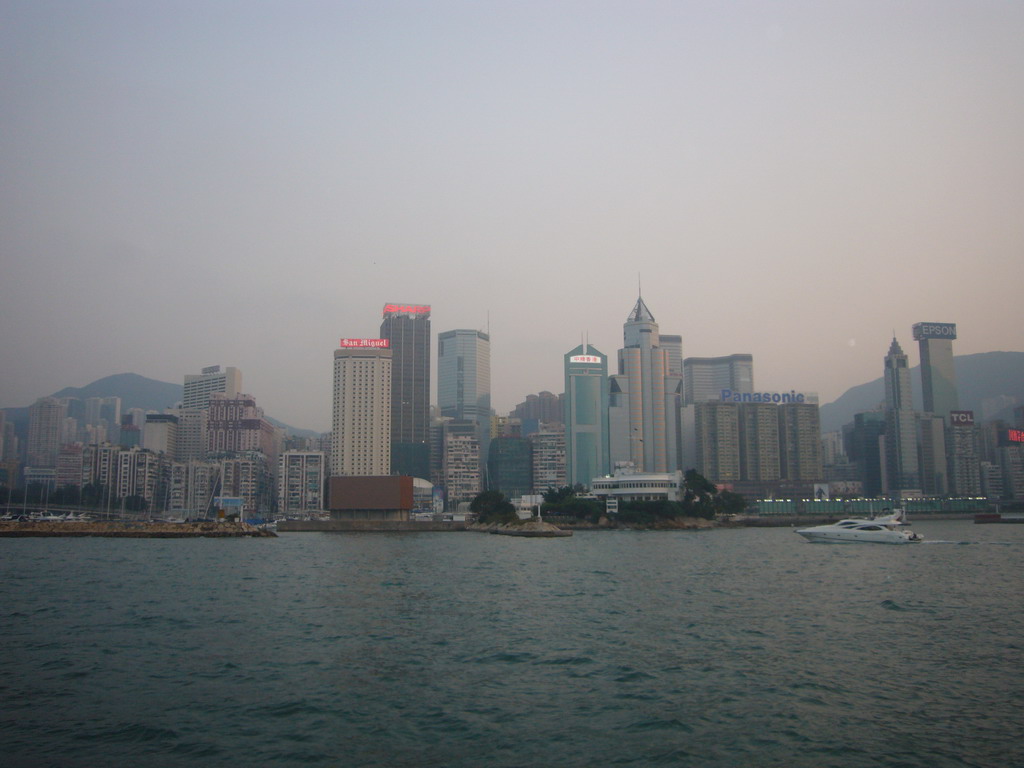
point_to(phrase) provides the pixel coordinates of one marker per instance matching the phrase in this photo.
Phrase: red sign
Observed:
(377, 343)
(1015, 435)
(406, 309)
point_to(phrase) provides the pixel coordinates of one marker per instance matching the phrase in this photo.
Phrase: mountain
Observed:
(989, 383)
(135, 392)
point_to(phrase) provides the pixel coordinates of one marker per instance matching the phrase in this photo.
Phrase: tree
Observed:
(492, 507)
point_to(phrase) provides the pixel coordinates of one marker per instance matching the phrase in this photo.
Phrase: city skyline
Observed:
(196, 185)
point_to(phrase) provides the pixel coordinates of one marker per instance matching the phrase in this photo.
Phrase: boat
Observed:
(880, 530)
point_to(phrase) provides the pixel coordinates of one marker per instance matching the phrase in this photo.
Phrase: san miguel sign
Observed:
(406, 309)
(366, 343)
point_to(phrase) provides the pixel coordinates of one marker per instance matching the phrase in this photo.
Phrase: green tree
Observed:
(492, 507)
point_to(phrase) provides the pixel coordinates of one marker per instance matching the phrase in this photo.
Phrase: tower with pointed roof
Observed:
(644, 398)
(901, 466)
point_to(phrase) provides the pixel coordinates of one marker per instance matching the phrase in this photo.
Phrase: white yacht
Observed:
(881, 530)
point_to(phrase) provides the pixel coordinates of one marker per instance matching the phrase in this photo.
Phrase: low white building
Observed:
(627, 485)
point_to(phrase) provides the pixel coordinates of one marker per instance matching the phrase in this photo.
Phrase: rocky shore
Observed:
(132, 530)
(529, 529)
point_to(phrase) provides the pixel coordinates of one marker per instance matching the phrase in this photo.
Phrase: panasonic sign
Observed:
(728, 396)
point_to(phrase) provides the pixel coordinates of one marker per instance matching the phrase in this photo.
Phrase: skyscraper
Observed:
(901, 468)
(407, 329)
(938, 376)
(706, 377)
(586, 415)
(464, 382)
(644, 398)
(361, 424)
(45, 423)
(198, 387)
(464, 375)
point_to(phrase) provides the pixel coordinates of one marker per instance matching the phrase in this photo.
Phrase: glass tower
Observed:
(586, 415)
(407, 328)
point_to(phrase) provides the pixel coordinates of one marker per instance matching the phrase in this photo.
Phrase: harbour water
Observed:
(722, 648)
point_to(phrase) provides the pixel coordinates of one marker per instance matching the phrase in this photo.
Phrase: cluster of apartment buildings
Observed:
(215, 451)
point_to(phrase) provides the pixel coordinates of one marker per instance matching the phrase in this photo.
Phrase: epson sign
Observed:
(934, 331)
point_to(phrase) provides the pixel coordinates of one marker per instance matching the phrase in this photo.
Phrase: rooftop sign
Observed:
(728, 396)
(406, 309)
(364, 343)
(594, 359)
(934, 331)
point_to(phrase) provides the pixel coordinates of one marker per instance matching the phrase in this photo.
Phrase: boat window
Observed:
(871, 528)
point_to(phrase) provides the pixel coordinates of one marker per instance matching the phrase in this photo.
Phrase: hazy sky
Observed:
(243, 183)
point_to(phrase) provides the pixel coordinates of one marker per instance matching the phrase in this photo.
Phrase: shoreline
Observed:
(130, 530)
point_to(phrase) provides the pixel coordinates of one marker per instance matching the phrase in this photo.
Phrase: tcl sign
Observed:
(406, 309)
(961, 417)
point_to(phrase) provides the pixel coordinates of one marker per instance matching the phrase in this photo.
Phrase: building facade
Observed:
(407, 329)
(300, 482)
(938, 375)
(644, 399)
(361, 422)
(901, 460)
(705, 377)
(464, 381)
(586, 415)
(198, 387)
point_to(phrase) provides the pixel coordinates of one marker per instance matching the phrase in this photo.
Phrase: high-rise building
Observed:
(407, 329)
(236, 424)
(800, 442)
(464, 381)
(645, 398)
(717, 440)
(548, 451)
(192, 433)
(901, 462)
(509, 466)
(45, 426)
(300, 482)
(864, 447)
(963, 450)
(760, 460)
(938, 375)
(361, 424)
(586, 415)
(931, 455)
(138, 476)
(198, 387)
(160, 434)
(706, 377)
(461, 466)
(464, 375)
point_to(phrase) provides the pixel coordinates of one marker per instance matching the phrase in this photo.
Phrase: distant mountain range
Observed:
(988, 383)
(135, 392)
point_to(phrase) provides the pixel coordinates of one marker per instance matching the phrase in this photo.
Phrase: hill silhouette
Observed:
(989, 383)
(135, 391)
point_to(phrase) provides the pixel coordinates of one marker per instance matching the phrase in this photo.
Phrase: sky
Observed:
(192, 183)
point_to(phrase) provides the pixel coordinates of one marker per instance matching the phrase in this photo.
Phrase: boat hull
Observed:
(855, 537)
